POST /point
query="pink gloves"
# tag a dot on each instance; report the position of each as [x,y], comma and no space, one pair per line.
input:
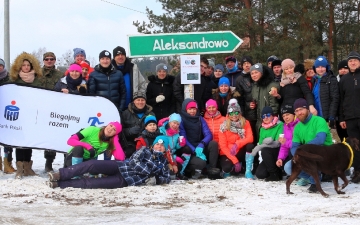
[237,167]
[233,149]
[182,143]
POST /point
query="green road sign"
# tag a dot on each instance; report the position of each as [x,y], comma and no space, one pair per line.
[147,45]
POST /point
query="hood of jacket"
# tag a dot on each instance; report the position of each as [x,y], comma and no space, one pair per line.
[16,65]
[266,78]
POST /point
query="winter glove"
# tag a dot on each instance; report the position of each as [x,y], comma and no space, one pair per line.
[182,143]
[237,167]
[332,123]
[135,130]
[162,121]
[82,89]
[233,149]
[179,160]
[199,153]
[160,98]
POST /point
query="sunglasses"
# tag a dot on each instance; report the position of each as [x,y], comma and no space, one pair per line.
[233,113]
[49,59]
[266,115]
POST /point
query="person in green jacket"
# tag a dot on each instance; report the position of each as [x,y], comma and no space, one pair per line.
[263,85]
[25,70]
[92,141]
[269,146]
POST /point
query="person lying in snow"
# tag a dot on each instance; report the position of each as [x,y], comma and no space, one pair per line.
[146,165]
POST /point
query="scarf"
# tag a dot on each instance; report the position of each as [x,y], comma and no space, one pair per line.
[273,123]
[73,83]
[235,127]
[126,68]
[27,77]
[136,110]
[106,70]
[234,69]
[223,95]
[3,74]
[151,135]
[289,79]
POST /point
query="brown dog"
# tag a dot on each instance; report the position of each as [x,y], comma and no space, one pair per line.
[332,160]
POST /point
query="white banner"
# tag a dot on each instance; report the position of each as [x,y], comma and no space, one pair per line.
[44,119]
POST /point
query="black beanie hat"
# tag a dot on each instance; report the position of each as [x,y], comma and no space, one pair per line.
[246,59]
[300,103]
[276,62]
[119,50]
[343,64]
[287,109]
[105,53]
[266,110]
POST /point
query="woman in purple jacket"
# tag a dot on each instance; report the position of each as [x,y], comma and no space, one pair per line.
[198,140]
[288,115]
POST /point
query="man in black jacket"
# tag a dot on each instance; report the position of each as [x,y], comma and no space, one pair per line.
[349,115]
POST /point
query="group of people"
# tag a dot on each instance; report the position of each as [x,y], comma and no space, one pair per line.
[249,119]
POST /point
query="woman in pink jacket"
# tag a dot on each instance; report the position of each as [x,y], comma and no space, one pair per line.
[290,122]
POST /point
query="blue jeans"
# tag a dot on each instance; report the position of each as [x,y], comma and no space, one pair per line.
[287,168]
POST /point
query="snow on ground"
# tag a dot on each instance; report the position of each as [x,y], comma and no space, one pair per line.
[230,201]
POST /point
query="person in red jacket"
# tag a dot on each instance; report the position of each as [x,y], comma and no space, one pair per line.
[235,140]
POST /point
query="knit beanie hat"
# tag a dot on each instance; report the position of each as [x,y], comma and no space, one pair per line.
[175,117]
[117,126]
[287,109]
[139,94]
[266,110]
[2,62]
[271,58]
[299,68]
[343,64]
[78,51]
[119,51]
[230,58]
[321,61]
[51,54]
[191,104]
[150,119]
[300,103]
[211,63]
[246,59]
[104,53]
[308,64]
[75,67]
[211,102]
[161,66]
[276,62]
[258,67]
[219,67]
[233,106]
[353,55]
[286,63]
[224,80]
[162,139]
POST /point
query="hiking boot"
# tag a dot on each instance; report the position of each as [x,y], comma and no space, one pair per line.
[312,189]
[356,177]
[8,168]
[54,176]
[273,177]
[326,178]
[19,169]
[214,173]
[224,175]
[52,184]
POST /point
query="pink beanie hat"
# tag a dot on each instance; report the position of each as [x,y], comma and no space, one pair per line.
[191,104]
[211,102]
[287,63]
[117,126]
[75,67]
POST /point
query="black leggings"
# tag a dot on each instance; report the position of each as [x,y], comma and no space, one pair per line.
[227,165]
[77,151]
[23,154]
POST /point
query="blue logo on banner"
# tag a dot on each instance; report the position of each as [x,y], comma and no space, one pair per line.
[95,120]
[11,112]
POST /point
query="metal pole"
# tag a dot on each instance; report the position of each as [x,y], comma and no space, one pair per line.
[7,34]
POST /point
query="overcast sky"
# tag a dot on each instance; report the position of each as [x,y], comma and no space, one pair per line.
[93,25]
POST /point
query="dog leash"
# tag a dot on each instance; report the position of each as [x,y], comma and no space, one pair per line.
[351,153]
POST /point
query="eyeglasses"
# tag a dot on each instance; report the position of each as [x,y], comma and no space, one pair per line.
[49,59]
[266,115]
[233,113]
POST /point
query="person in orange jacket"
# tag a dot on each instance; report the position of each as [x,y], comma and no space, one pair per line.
[235,140]
[213,118]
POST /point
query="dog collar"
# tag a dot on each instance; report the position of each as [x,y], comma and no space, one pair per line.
[351,153]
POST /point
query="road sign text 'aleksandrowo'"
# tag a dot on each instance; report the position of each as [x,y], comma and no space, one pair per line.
[147,45]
